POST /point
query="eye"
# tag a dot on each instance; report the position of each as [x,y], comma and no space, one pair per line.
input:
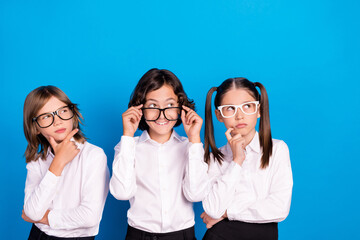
[152,105]
[247,106]
[230,108]
[44,117]
[63,111]
[170,105]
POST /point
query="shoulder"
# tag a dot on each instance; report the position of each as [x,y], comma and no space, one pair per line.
[279,145]
[92,152]
[280,152]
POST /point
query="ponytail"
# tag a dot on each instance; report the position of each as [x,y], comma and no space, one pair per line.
[264,127]
[209,131]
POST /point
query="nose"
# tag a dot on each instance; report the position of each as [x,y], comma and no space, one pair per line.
[57,120]
[239,114]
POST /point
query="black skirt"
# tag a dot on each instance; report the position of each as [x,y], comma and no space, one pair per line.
[37,234]
[137,234]
[236,230]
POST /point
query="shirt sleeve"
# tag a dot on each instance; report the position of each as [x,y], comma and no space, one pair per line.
[123,180]
[94,190]
[276,206]
[39,191]
[222,188]
[195,181]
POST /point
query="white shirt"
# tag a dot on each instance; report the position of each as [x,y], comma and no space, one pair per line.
[76,198]
[247,192]
[160,180]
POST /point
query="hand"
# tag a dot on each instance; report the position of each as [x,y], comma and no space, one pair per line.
[44,220]
[209,221]
[131,120]
[192,124]
[64,152]
[237,144]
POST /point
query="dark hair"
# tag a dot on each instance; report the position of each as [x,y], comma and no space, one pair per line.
[34,101]
[264,127]
[153,80]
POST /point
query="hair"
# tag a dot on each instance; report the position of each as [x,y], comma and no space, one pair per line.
[37,144]
[264,126]
[153,80]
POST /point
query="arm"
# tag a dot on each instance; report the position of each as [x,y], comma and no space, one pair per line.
[39,191]
[94,190]
[196,181]
[276,206]
[222,188]
[123,180]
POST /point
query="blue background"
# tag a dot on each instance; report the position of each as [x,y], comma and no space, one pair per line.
[306,53]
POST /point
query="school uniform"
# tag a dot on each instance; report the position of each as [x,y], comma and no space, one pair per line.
[255,199]
[75,199]
[161,181]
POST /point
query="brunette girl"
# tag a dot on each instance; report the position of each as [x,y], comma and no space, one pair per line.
[251,178]
[160,172]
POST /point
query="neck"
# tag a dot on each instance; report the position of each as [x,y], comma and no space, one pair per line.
[160,138]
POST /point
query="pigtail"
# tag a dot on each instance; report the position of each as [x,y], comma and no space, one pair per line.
[209,131]
[264,127]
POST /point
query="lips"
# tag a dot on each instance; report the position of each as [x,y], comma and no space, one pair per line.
[61,130]
[241,125]
[161,123]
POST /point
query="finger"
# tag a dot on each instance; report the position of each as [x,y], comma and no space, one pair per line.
[227,134]
[202,215]
[71,134]
[208,226]
[186,108]
[183,116]
[138,106]
[52,143]
[192,119]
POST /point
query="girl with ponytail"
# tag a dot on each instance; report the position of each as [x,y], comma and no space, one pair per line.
[251,177]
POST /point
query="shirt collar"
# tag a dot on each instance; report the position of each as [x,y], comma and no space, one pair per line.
[146,137]
[254,145]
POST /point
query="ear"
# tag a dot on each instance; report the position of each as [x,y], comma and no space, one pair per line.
[258,112]
[218,115]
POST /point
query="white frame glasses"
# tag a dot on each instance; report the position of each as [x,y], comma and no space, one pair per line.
[236,108]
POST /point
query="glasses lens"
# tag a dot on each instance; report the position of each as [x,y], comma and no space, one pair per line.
[151,114]
[172,114]
[65,113]
[45,120]
[228,111]
[249,108]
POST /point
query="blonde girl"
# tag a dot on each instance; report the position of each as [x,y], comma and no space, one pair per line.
[67,177]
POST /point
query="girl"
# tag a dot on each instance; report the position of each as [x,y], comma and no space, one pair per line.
[67,177]
[160,172]
[251,176]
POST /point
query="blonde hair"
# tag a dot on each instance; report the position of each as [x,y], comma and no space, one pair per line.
[37,144]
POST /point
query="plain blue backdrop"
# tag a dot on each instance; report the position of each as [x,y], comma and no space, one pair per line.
[306,53]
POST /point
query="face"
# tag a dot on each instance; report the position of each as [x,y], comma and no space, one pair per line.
[241,123]
[60,128]
[161,129]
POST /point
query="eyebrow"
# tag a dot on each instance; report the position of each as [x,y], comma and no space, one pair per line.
[240,103]
[154,100]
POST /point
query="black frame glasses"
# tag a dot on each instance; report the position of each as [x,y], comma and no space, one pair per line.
[162,110]
[71,107]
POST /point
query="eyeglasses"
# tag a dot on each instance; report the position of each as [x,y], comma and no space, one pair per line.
[47,119]
[248,108]
[170,113]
